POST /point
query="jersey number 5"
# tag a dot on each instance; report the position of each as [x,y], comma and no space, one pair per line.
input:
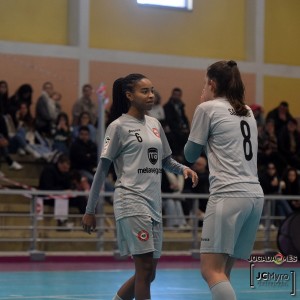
[245,128]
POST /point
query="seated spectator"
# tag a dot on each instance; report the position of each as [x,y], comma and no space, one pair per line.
[4,146]
[85,120]
[290,185]
[270,183]
[83,154]
[22,95]
[268,148]
[85,104]
[258,113]
[172,207]
[4,97]
[57,177]
[62,134]
[280,115]
[289,143]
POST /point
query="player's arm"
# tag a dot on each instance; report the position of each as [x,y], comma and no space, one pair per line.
[88,220]
[192,151]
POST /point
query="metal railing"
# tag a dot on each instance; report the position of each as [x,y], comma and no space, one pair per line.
[191,237]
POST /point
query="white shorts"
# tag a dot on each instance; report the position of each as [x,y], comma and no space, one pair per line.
[138,235]
[230,226]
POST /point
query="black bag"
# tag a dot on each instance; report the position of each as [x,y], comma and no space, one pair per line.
[288,237]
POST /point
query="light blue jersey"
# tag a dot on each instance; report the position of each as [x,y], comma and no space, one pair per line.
[230,143]
[137,148]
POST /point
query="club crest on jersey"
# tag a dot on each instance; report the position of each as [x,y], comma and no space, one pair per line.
[106,144]
[156,132]
[143,235]
[153,155]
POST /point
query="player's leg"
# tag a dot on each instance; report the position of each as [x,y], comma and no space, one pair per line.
[145,269]
[138,286]
[215,268]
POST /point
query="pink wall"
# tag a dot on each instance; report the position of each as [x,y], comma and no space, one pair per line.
[63,73]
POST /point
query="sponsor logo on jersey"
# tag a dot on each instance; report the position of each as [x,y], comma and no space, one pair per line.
[150,170]
[156,132]
[153,155]
[133,130]
[143,235]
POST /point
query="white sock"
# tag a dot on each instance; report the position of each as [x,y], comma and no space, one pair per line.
[222,291]
[116,297]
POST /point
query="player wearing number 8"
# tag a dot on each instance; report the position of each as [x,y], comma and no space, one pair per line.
[225,128]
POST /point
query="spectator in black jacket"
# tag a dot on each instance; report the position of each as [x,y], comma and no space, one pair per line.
[83,154]
[57,177]
[177,121]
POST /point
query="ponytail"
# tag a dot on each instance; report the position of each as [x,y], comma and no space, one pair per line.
[229,84]
[121,104]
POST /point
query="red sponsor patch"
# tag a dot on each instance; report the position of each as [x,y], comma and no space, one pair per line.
[143,235]
[156,132]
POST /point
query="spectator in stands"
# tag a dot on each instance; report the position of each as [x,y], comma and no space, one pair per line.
[289,143]
[85,104]
[268,148]
[271,185]
[177,121]
[83,154]
[172,207]
[201,168]
[290,185]
[46,112]
[280,115]
[4,144]
[3,97]
[22,95]
[258,113]
[85,120]
[57,177]
[62,134]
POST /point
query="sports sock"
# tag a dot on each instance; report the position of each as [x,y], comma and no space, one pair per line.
[222,291]
[116,297]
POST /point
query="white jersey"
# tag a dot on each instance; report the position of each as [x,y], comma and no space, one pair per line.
[137,149]
[230,144]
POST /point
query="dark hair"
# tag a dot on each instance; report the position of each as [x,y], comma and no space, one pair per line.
[63,158]
[229,84]
[121,104]
[87,85]
[62,115]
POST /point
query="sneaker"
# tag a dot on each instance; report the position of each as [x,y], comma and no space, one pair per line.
[261,227]
[16,166]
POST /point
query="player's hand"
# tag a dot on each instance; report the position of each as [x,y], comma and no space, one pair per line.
[88,223]
[189,173]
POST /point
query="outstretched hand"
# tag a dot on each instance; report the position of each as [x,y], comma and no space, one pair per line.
[189,173]
[88,223]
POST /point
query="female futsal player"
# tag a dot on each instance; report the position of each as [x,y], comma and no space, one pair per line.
[226,129]
[138,147]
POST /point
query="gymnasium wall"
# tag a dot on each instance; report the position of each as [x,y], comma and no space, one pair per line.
[215,29]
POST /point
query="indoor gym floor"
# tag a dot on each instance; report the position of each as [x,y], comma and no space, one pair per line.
[176,279]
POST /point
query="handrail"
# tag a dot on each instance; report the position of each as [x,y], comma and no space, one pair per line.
[195,241]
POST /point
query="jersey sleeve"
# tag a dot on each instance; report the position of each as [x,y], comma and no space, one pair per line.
[165,144]
[112,142]
[200,126]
